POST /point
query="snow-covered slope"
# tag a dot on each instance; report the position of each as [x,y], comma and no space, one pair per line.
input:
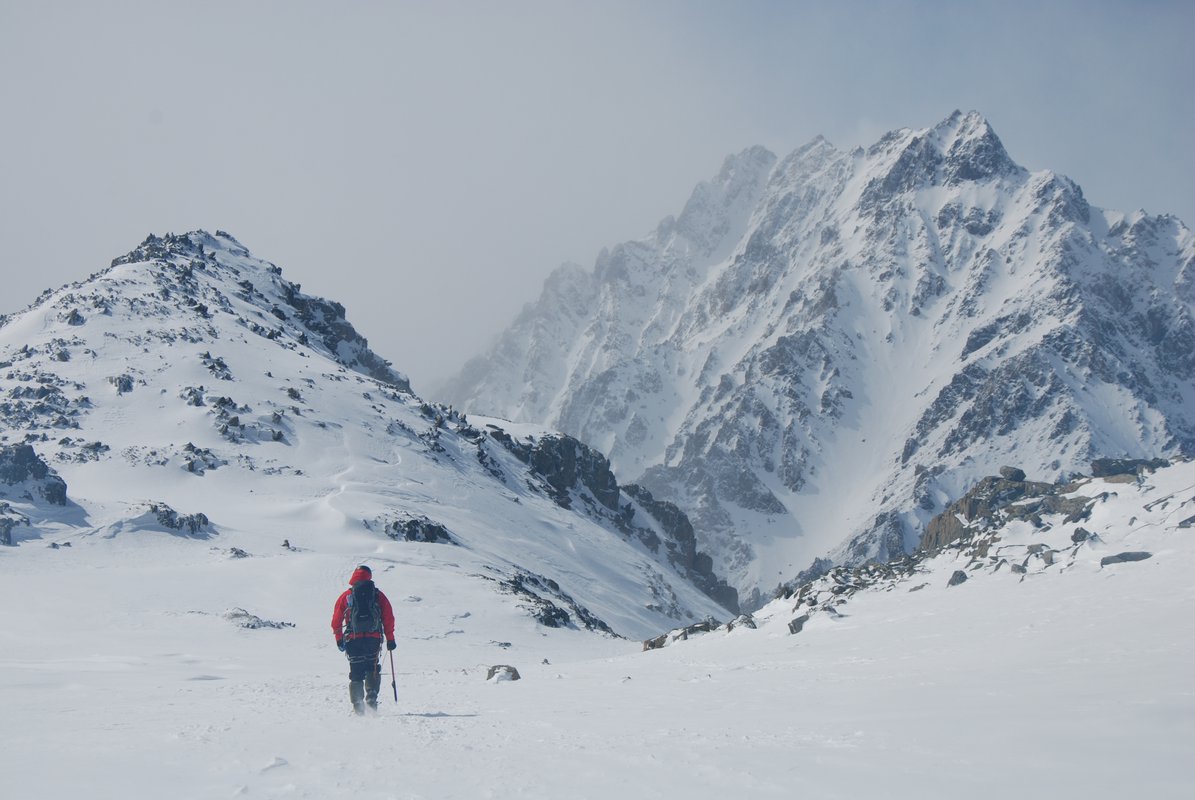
[190,389]
[126,671]
[822,351]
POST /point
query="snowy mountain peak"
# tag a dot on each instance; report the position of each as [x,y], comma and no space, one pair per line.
[189,390]
[715,209]
[961,149]
[856,340]
[194,244]
[972,150]
[205,274]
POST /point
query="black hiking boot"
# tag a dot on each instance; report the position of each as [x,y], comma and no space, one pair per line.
[357,695]
[373,683]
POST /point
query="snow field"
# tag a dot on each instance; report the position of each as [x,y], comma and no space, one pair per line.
[120,679]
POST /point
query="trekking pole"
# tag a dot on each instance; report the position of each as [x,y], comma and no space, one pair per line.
[393,680]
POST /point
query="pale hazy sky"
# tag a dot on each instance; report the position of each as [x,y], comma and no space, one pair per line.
[428,164]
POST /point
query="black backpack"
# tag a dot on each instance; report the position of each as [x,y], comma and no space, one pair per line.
[364,613]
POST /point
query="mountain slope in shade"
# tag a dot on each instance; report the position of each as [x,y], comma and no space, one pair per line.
[823,350]
[189,389]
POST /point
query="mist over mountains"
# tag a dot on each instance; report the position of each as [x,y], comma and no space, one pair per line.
[820,352]
[803,368]
[824,362]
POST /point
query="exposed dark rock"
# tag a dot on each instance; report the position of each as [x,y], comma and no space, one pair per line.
[19,464]
[1122,558]
[682,549]
[216,366]
[10,518]
[798,623]
[957,578]
[566,470]
[326,320]
[741,621]
[566,464]
[1012,474]
[243,619]
[193,524]
[419,529]
[683,634]
[123,383]
[993,500]
[199,460]
[1108,467]
[540,596]
[656,642]
[502,672]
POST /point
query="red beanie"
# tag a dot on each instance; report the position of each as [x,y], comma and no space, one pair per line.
[362,573]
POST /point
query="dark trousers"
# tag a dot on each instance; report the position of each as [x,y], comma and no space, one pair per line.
[365,671]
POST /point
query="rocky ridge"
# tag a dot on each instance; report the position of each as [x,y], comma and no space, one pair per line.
[1003,525]
[849,339]
[190,375]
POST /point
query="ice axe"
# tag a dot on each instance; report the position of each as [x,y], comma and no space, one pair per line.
[393,681]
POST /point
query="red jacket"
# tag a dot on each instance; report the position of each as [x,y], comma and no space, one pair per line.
[340,618]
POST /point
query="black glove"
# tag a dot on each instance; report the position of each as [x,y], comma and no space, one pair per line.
[340,645]
[391,644]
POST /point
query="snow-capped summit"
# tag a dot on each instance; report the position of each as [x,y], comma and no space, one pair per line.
[716,210]
[190,389]
[873,331]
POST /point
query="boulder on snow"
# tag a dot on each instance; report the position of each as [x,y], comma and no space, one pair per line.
[656,642]
[502,672]
[958,577]
[741,621]
[416,528]
[195,524]
[1121,558]
[798,624]
[162,518]
[696,629]
[1012,474]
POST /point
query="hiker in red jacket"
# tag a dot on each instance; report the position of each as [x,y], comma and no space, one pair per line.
[361,616]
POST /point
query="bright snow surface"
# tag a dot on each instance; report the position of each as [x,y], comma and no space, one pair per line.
[120,678]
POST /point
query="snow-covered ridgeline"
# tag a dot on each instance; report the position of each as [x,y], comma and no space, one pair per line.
[190,378]
[884,327]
